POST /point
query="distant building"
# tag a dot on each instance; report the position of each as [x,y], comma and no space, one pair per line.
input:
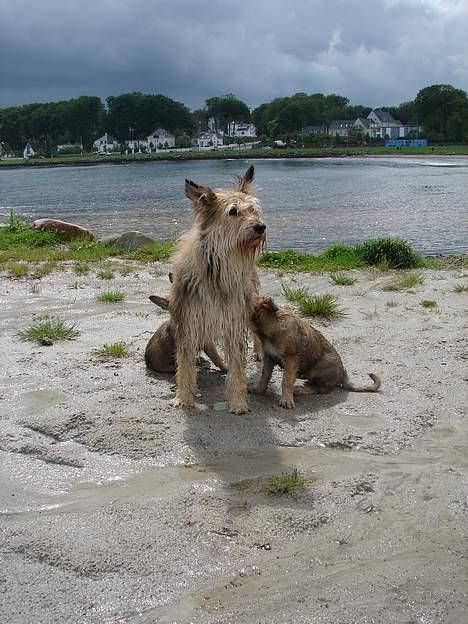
[314,130]
[105,144]
[208,140]
[240,129]
[28,151]
[160,139]
[6,151]
[341,127]
[362,125]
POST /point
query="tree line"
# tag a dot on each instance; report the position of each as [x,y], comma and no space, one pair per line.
[442,111]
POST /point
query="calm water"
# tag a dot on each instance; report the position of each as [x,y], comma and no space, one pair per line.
[307,204]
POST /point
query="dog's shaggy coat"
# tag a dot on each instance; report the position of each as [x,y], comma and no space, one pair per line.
[214,282]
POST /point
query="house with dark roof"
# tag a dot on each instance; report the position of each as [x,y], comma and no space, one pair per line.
[361,124]
[314,130]
[160,138]
[6,151]
[341,127]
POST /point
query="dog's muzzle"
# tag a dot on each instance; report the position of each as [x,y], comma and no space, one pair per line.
[259,228]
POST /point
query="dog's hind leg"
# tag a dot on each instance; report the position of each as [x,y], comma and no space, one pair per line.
[186,378]
[257,349]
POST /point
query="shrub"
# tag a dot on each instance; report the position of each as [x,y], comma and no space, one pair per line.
[398,253]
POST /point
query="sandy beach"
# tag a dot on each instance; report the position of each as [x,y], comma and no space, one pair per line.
[117,508]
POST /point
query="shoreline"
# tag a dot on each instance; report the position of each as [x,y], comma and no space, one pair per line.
[241,155]
[168,509]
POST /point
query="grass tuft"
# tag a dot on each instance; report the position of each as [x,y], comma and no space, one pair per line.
[410,280]
[285,484]
[428,303]
[17,269]
[114,350]
[43,270]
[322,306]
[342,280]
[111,297]
[396,252]
[52,328]
[105,274]
[293,294]
[81,268]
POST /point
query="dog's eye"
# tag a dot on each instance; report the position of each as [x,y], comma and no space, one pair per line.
[233,212]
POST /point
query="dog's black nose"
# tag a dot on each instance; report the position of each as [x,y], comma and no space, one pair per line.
[260,228]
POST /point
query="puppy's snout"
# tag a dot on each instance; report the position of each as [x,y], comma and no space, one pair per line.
[259,228]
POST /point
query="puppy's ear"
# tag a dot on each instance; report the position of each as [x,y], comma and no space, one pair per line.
[245,182]
[162,302]
[270,305]
[171,277]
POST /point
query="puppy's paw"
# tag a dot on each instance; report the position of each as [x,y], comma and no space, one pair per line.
[239,408]
[286,402]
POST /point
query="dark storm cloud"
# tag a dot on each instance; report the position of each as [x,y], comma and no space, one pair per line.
[375,52]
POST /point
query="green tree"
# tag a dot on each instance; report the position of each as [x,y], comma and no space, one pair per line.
[227,108]
[436,104]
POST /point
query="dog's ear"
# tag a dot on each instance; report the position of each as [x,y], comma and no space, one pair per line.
[199,194]
[270,305]
[171,277]
[162,302]
[245,182]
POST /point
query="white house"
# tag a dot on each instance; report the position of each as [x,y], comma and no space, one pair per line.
[160,139]
[28,151]
[241,129]
[106,144]
[207,140]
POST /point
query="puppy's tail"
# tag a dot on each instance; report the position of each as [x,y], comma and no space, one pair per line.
[348,385]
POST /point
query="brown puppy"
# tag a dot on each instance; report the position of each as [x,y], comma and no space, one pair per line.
[301,351]
[160,353]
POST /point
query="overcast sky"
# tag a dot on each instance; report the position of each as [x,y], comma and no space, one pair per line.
[373,52]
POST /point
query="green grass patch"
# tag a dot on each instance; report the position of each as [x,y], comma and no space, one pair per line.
[408,281]
[383,253]
[43,270]
[81,268]
[52,328]
[428,303]
[113,350]
[285,484]
[152,253]
[105,274]
[111,297]
[17,269]
[397,253]
[321,306]
[293,294]
[342,280]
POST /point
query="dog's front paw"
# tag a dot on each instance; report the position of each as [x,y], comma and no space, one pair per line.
[181,402]
[254,389]
[286,402]
[239,408]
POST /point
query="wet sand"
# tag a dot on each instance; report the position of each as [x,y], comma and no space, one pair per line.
[117,508]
